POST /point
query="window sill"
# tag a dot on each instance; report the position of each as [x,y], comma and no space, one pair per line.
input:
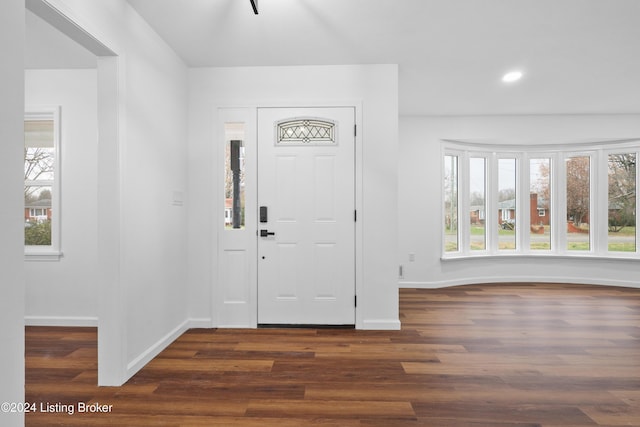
[587,256]
[43,256]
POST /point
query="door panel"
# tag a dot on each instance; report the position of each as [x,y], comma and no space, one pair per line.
[306,270]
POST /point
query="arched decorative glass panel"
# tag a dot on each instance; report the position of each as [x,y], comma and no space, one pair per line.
[306,131]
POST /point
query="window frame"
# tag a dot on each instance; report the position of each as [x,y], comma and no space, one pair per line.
[51,252]
[604,171]
[459,221]
[597,151]
[488,200]
[594,218]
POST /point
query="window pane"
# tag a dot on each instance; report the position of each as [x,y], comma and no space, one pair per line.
[234,178]
[622,202]
[39,164]
[37,216]
[578,170]
[450,203]
[477,197]
[539,204]
[39,175]
[507,204]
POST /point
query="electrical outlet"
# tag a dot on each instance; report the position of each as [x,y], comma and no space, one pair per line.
[412,257]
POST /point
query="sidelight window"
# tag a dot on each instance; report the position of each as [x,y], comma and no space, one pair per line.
[234,177]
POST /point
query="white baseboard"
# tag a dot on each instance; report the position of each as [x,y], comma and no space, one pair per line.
[145,357]
[202,323]
[523,279]
[381,324]
[238,326]
[64,321]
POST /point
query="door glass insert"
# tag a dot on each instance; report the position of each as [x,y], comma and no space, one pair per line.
[306,131]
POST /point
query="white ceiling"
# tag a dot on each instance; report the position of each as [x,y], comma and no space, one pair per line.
[578,56]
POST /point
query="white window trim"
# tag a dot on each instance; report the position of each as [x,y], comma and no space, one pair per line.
[458,154]
[598,152]
[52,252]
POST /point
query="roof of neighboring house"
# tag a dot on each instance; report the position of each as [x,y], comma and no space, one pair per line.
[507,204]
[511,204]
[41,203]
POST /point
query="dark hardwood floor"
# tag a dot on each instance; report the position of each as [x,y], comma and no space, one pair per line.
[482,355]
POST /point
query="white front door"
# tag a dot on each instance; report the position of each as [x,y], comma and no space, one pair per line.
[306,225]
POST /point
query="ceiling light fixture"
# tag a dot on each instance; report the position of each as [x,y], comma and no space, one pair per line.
[512,76]
[254,5]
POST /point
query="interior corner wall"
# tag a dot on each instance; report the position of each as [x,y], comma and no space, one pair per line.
[64,292]
[376,87]
[154,174]
[147,306]
[11,216]
[420,194]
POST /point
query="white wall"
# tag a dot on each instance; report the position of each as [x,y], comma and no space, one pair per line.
[11,215]
[142,239]
[154,168]
[376,87]
[64,292]
[420,187]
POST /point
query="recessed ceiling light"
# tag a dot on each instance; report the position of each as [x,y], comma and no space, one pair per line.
[512,76]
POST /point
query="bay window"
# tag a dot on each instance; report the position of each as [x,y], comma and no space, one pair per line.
[581,200]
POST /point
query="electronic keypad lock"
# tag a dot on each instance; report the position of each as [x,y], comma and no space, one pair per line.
[263,214]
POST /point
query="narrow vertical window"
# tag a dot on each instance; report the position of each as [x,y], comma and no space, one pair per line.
[578,178]
[451,241]
[507,204]
[539,204]
[622,202]
[41,192]
[477,203]
[234,177]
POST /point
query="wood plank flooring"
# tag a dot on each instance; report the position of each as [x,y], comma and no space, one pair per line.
[483,355]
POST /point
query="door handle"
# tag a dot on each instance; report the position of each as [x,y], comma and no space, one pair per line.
[266,233]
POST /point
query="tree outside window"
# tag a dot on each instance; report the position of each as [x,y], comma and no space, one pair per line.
[39,178]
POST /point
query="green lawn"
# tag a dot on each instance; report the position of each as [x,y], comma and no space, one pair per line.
[479,230]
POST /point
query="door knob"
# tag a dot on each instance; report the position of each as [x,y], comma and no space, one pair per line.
[266,233]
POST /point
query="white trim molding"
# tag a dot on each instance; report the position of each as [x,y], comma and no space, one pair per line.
[149,354]
[437,284]
[381,324]
[64,321]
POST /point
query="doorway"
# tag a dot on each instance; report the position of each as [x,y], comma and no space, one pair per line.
[306,219]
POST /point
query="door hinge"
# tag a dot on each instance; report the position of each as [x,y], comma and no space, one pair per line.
[355,300]
[355,130]
[355,216]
